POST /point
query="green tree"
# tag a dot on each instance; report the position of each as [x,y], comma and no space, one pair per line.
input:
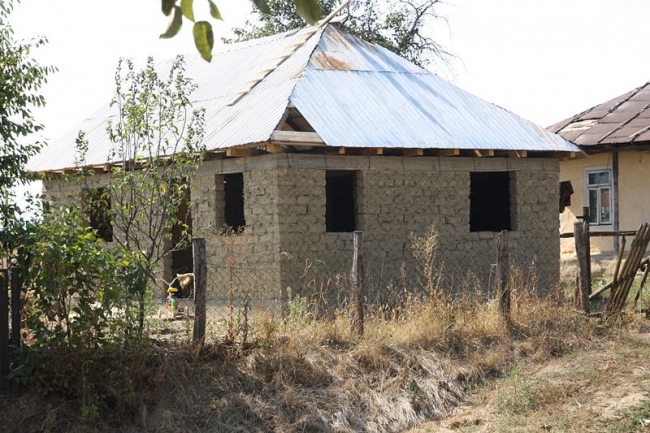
[157,138]
[20,80]
[179,10]
[398,25]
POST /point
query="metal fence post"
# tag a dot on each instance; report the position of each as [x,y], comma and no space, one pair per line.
[200,288]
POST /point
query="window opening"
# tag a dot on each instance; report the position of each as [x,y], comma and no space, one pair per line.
[490,201]
[99,213]
[340,214]
[599,196]
[234,201]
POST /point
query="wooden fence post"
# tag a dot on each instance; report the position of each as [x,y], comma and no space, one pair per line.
[581,237]
[200,288]
[4,333]
[582,290]
[356,284]
[503,270]
[15,322]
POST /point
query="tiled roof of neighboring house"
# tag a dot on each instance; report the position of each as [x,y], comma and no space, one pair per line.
[335,88]
[624,120]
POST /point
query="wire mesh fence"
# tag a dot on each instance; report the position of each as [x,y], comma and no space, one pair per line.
[238,296]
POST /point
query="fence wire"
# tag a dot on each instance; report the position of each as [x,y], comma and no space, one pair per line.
[237,296]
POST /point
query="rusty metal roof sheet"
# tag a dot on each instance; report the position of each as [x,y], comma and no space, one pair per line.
[624,120]
[352,93]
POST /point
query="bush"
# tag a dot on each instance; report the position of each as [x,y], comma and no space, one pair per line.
[78,289]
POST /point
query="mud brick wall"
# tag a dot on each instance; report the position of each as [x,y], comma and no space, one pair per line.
[70,192]
[395,197]
[285,242]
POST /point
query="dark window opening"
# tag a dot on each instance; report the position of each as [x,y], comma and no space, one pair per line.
[99,213]
[489,202]
[340,215]
[234,201]
[182,260]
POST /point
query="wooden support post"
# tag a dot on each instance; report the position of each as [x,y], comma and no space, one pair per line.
[356,284]
[200,288]
[503,270]
[4,333]
[583,287]
[585,213]
[15,322]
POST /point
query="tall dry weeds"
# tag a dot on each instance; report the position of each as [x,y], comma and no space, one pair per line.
[308,371]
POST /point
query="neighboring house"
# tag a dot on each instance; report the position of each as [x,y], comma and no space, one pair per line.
[314,133]
[612,181]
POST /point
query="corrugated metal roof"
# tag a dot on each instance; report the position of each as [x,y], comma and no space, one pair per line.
[354,94]
[411,111]
[624,120]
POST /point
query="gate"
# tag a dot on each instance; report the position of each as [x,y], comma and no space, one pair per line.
[9,327]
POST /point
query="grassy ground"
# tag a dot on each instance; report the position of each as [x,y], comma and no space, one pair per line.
[425,366]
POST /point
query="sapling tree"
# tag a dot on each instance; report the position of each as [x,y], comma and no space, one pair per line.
[156,138]
[21,78]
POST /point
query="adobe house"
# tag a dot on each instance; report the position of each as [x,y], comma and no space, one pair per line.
[315,133]
[611,182]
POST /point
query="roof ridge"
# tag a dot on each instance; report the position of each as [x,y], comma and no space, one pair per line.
[291,50]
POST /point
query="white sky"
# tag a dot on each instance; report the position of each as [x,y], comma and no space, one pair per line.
[544,60]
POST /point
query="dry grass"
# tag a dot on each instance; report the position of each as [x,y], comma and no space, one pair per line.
[300,374]
[416,362]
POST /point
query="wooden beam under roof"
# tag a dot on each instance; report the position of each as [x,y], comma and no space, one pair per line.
[483,152]
[238,151]
[210,156]
[275,148]
[446,152]
[516,153]
[371,151]
[412,152]
[296,137]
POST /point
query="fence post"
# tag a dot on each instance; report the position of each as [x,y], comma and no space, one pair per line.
[15,321]
[4,333]
[200,288]
[356,284]
[503,270]
[581,231]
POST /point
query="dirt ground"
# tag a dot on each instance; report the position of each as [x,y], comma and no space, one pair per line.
[605,389]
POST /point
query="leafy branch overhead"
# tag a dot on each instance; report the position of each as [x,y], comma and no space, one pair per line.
[178,10]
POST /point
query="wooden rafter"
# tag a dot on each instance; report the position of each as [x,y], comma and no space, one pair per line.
[237,151]
[446,152]
[412,152]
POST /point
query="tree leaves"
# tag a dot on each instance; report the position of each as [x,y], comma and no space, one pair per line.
[187,6]
[203,39]
[309,10]
[175,24]
[168,6]
[262,6]
[214,11]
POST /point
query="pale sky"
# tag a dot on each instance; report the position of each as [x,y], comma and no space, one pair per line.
[544,60]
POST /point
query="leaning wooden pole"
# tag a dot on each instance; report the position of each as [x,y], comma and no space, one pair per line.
[503,269]
[200,288]
[356,284]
